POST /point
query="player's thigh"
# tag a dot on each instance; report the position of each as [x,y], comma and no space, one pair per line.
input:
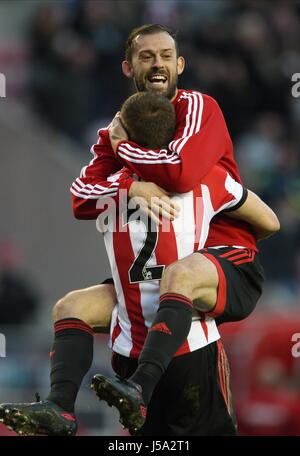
[197,389]
[206,281]
[93,305]
[240,282]
[194,276]
[156,423]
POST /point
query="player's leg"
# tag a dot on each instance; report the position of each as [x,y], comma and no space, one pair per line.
[169,330]
[192,278]
[137,423]
[75,316]
[241,279]
[224,288]
[193,396]
[223,283]
[91,305]
[197,393]
[195,277]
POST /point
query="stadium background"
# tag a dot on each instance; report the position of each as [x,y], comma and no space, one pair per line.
[62,60]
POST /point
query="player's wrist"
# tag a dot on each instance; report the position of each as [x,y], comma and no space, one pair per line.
[133,189]
[126,184]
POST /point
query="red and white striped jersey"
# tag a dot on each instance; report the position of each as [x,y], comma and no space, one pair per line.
[138,256]
[201,141]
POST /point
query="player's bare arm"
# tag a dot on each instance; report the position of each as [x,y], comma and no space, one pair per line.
[259,215]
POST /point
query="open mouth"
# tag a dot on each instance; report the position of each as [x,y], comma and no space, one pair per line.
[157,80]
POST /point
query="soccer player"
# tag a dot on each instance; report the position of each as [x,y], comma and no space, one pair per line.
[177,335]
[136,277]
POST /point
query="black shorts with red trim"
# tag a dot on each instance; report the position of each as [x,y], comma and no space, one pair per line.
[241,278]
[193,396]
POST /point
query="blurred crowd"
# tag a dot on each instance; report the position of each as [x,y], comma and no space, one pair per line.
[264,355]
[242,52]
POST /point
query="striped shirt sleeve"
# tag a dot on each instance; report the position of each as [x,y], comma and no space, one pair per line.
[226,194]
[101,178]
[200,140]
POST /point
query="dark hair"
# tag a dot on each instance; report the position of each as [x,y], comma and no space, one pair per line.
[146,29]
[149,119]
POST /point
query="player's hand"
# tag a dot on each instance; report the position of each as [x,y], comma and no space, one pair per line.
[117,132]
[154,201]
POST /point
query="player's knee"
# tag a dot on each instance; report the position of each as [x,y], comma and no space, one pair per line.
[65,307]
[176,278]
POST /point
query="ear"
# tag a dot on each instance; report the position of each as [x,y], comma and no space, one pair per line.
[180,64]
[127,69]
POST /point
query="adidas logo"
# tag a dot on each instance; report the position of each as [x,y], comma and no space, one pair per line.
[68,416]
[162,327]
[143,411]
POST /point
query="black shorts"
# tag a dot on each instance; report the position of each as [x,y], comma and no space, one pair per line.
[193,396]
[240,282]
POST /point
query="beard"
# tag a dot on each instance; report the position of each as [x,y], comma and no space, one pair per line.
[169,91]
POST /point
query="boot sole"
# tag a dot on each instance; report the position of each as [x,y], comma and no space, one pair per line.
[130,416]
[18,421]
[23,424]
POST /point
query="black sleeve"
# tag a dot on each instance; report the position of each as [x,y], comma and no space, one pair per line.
[240,203]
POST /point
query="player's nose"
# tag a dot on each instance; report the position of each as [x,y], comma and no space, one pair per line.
[157,62]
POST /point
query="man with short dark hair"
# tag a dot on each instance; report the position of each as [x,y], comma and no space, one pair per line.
[141,115]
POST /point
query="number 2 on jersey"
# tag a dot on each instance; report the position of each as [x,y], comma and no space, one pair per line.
[139,271]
